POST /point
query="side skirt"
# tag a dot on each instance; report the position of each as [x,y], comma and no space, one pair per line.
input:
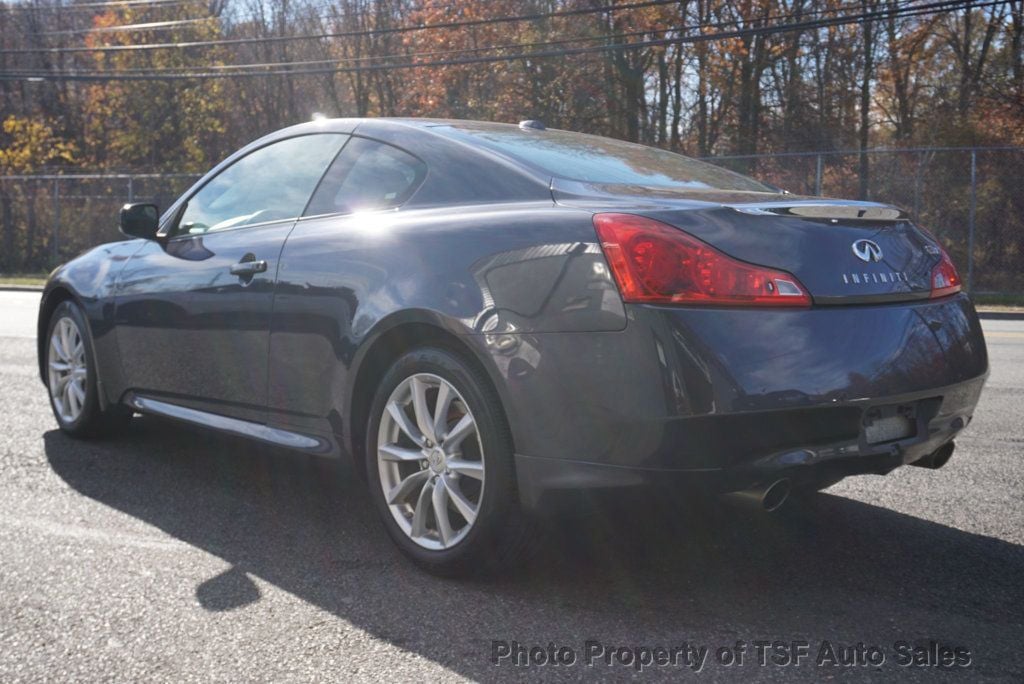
[235,426]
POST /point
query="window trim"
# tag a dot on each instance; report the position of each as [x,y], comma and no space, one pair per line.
[416,189]
[167,232]
[191,236]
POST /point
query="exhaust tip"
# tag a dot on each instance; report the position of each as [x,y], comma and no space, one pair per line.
[768,498]
[942,456]
[776,495]
[936,459]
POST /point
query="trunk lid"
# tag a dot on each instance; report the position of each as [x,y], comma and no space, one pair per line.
[843,252]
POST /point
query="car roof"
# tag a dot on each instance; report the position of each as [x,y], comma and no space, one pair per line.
[350,124]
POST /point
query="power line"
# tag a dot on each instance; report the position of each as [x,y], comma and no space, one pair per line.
[97,5]
[930,8]
[146,26]
[488,48]
[347,60]
[166,25]
[71,13]
[703,37]
[349,34]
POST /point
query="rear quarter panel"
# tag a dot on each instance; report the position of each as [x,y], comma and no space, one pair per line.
[490,273]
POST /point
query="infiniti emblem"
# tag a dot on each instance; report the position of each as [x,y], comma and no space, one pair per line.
[867,250]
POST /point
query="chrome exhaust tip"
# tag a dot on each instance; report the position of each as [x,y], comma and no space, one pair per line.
[768,498]
[936,459]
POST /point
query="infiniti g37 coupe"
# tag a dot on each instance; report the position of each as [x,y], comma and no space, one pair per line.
[486,316]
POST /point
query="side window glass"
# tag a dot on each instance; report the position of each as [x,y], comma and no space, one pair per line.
[269,184]
[367,175]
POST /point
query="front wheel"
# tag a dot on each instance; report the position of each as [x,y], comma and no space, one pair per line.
[71,377]
[440,466]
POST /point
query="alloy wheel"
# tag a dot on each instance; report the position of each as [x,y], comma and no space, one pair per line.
[431,461]
[67,369]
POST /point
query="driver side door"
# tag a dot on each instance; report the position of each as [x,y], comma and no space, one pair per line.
[193,310]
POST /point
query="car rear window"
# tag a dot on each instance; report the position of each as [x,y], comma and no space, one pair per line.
[595,159]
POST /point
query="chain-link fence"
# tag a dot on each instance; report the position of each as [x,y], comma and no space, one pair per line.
[969,197]
[47,219]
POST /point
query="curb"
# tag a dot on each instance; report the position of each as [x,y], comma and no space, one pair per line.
[1001,315]
[21,288]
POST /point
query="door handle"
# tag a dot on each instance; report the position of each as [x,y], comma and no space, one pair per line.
[248,268]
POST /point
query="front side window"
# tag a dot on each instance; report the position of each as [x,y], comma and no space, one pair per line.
[367,176]
[272,183]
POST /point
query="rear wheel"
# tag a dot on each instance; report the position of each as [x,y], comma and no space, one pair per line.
[72,379]
[440,466]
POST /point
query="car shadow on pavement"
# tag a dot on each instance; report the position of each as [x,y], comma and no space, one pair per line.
[629,573]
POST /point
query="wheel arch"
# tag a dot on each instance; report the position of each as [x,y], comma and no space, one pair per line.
[52,298]
[391,339]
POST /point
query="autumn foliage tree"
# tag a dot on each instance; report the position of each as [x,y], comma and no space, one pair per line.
[158,125]
[708,78]
[27,146]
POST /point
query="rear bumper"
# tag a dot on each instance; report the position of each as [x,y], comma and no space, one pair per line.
[940,415]
[726,398]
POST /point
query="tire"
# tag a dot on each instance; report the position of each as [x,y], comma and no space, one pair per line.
[499,534]
[76,402]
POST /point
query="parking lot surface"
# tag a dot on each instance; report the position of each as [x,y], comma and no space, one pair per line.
[168,554]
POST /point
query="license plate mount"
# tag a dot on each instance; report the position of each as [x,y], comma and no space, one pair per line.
[883,424]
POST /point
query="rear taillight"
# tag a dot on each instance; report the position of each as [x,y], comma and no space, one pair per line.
[945,279]
[654,262]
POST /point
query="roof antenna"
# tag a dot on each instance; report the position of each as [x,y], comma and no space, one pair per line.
[532,125]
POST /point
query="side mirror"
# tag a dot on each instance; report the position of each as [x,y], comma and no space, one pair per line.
[140,220]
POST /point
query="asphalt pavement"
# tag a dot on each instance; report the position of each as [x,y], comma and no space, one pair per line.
[168,554]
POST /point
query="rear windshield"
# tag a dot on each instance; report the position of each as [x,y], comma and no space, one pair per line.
[594,159]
